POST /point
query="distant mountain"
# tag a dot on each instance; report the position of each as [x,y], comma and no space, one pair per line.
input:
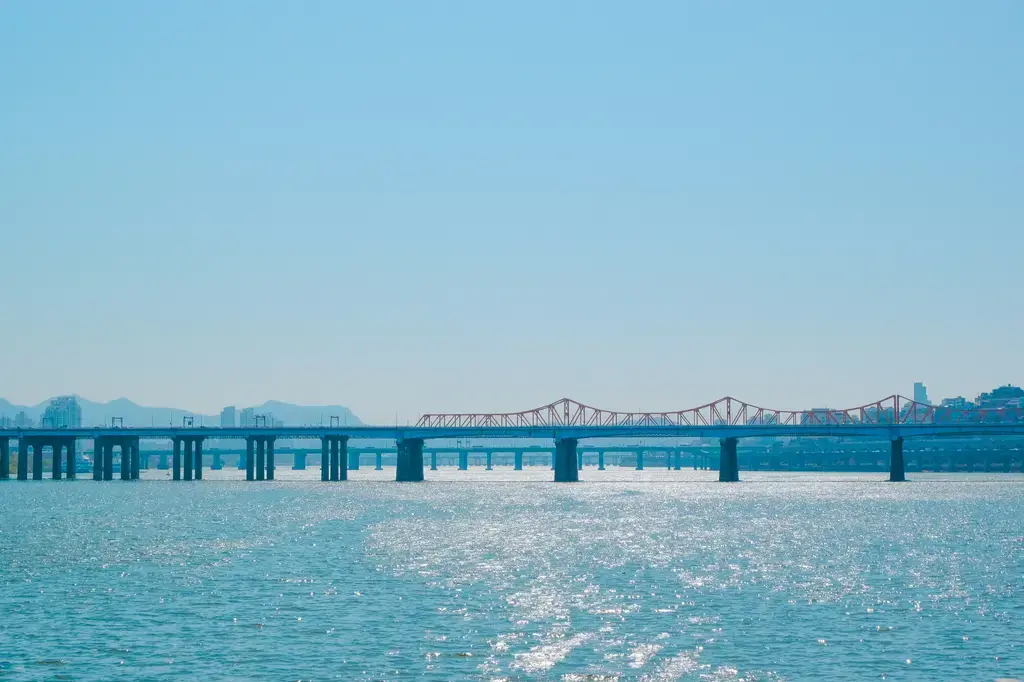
[132,414]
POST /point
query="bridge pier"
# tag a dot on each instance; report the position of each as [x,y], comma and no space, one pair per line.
[353,461]
[176,460]
[197,458]
[517,460]
[600,460]
[250,458]
[433,460]
[334,458]
[22,459]
[489,455]
[463,460]
[677,456]
[579,460]
[37,461]
[299,461]
[217,463]
[897,469]
[566,463]
[261,460]
[639,460]
[161,463]
[409,467]
[729,467]
[5,458]
[380,462]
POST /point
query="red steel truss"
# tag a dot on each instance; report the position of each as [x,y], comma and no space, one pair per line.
[727,411]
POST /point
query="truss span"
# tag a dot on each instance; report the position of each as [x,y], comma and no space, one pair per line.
[728,411]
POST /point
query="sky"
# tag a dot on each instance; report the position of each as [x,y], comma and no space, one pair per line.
[481,206]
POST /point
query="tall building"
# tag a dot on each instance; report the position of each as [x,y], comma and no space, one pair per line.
[921,393]
[247,418]
[23,421]
[63,413]
[227,416]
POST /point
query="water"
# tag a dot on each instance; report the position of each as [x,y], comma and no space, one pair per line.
[505,576]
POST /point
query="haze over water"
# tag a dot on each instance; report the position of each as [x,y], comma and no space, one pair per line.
[503,576]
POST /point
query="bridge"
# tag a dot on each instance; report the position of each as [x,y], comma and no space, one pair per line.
[565,422]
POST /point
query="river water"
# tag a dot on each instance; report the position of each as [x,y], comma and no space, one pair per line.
[504,575]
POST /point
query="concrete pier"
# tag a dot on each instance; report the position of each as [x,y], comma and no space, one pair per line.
[639,460]
[334,466]
[729,467]
[126,462]
[897,468]
[22,460]
[250,459]
[5,458]
[218,463]
[72,459]
[380,462]
[261,460]
[271,464]
[566,462]
[463,460]
[489,460]
[410,460]
[176,460]
[299,461]
[579,460]
[353,461]
[600,460]
[433,461]
[197,458]
[517,462]
[37,461]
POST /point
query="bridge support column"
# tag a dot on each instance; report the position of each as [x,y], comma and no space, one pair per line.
[489,461]
[334,457]
[463,460]
[299,461]
[134,458]
[517,461]
[271,464]
[639,460]
[353,461]
[433,460]
[600,460]
[56,470]
[197,458]
[325,458]
[218,463]
[409,467]
[241,461]
[897,470]
[579,460]
[342,458]
[108,461]
[677,460]
[5,458]
[380,462]
[186,459]
[37,461]
[261,460]
[22,459]
[126,460]
[72,459]
[566,462]
[250,458]
[729,467]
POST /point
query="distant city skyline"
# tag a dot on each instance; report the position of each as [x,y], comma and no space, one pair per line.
[497,205]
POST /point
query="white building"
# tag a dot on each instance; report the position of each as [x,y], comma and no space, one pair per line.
[227,416]
[63,413]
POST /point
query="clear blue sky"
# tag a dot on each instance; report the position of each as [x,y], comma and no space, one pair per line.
[408,207]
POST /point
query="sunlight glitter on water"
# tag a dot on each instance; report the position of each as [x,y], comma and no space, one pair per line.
[475,576]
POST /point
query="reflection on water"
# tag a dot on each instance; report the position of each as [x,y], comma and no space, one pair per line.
[502,575]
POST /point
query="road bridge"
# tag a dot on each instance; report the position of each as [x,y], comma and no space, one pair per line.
[565,422]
